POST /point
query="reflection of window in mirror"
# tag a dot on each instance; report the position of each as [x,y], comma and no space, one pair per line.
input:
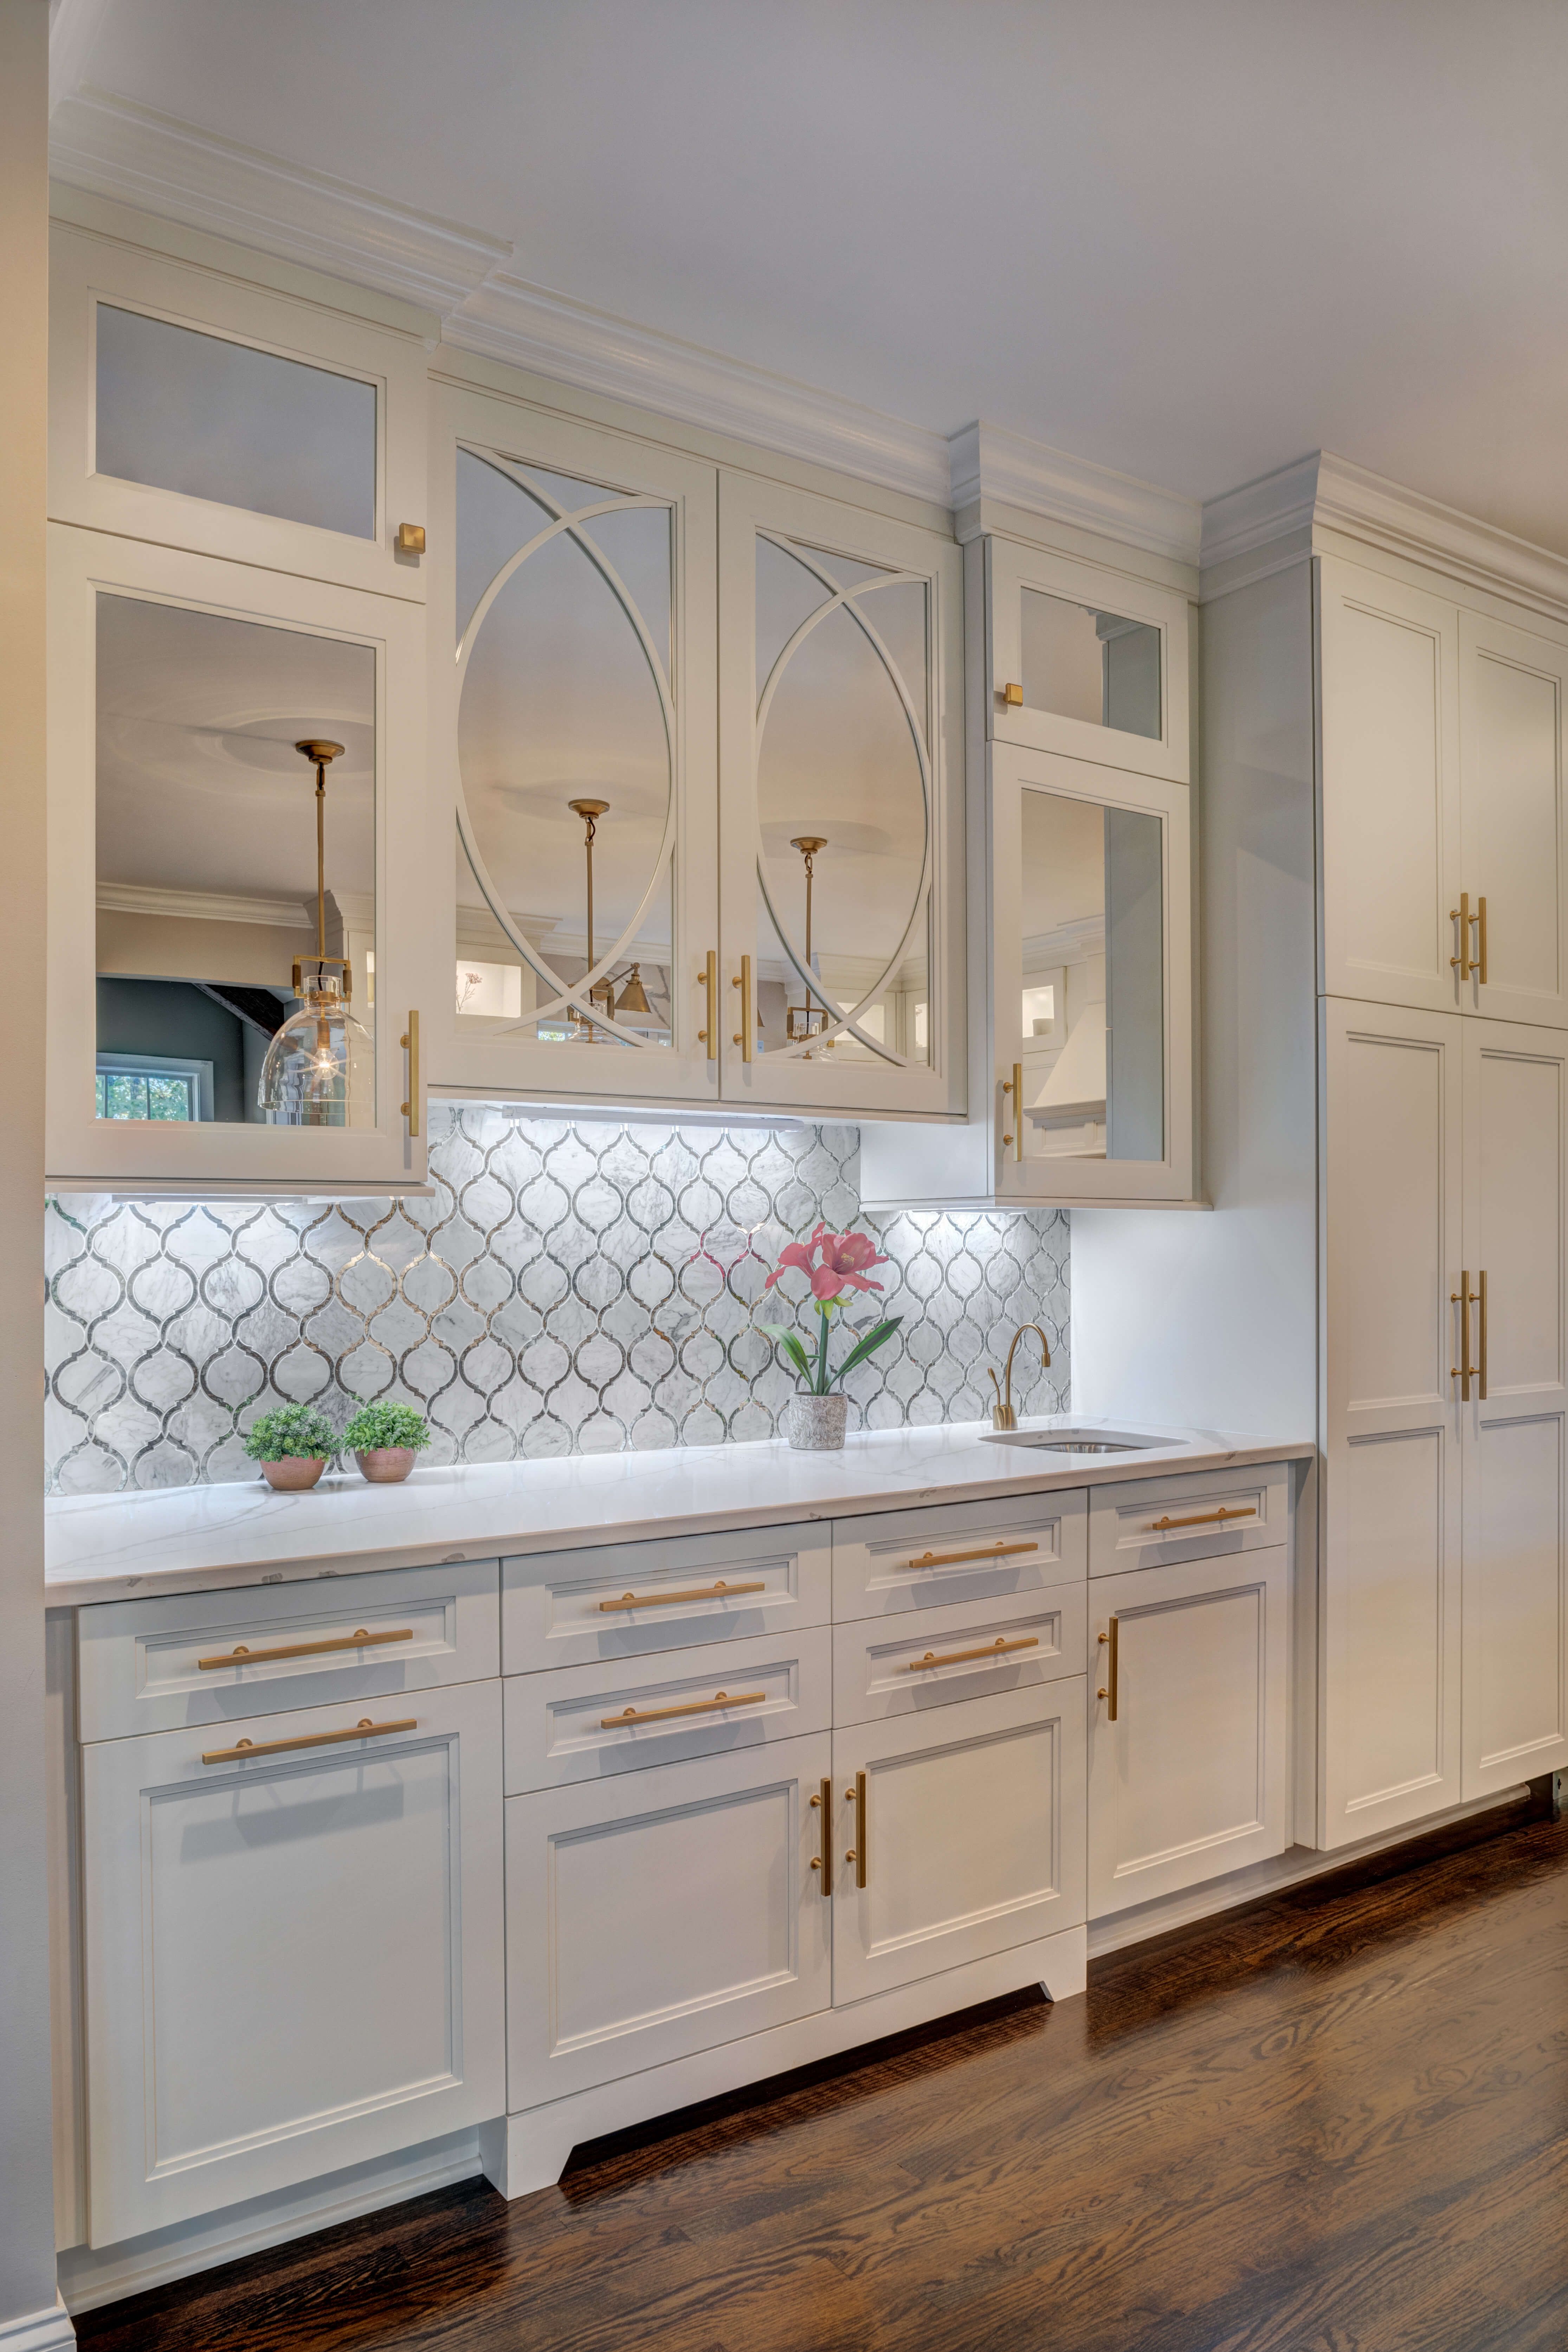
[1091,1009]
[1099,668]
[206,865]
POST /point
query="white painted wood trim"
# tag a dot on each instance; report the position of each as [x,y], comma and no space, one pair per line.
[988,462]
[39,2331]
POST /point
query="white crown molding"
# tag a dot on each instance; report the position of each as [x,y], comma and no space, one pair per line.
[201,905]
[39,2331]
[1323,492]
[117,149]
[529,326]
[74,26]
[988,462]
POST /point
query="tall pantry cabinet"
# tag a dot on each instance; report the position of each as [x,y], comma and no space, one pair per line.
[1386,1126]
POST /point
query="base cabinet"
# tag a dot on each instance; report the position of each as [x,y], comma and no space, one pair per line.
[292,1958]
[1187,1751]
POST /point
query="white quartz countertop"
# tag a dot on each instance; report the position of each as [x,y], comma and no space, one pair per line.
[179,1540]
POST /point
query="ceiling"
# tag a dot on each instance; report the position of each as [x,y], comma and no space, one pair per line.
[1188,242]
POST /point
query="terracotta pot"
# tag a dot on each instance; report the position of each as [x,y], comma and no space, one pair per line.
[294,1473]
[384,1466]
[815,1425]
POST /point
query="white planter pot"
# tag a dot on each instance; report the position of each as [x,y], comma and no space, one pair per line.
[815,1425]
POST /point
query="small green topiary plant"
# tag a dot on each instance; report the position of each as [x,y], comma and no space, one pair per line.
[376,1427]
[289,1430]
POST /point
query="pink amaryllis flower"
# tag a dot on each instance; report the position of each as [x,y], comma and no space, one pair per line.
[832,1264]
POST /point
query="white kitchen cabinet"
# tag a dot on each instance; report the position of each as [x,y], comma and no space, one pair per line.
[1513,864]
[663,1912]
[1514,1458]
[960,1833]
[1188,1763]
[293,1955]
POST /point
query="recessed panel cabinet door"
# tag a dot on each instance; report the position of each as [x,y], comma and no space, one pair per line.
[292,1958]
[669,1910]
[959,1833]
[1389,788]
[1187,1778]
[1514,868]
[1515,1419]
[1390,1597]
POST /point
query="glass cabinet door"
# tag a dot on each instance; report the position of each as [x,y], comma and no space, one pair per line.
[1086,661]
[840,799]
[573,703]
[234,856]
[1092,1006]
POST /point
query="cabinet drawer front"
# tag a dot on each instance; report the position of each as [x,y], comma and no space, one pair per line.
[292,1959]
[569,1725]
[958,1551]
[1200,1514]
[141,1663]
[623,1600]
[972,1835]
[672,1910]
[973,1651]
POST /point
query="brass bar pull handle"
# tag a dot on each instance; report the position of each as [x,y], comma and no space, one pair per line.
[363,1729]
[410,1038]
[1464,1371]
[744,1036]
[823,1803]
[719,1591]
[694,1706]
[858,1853]
[1108,1688]
[1208,1518]
[1479,963]
[1015,1087]
[240,1655]
[1461,915]
[1480,1298]
[708,978]
[988,1551]
[958,1657]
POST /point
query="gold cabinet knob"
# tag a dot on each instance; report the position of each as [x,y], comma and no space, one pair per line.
[1011,695]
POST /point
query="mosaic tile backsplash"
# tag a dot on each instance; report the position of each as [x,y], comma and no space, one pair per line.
[571,1288]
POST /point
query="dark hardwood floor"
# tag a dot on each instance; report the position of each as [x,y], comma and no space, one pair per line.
[1335,2122]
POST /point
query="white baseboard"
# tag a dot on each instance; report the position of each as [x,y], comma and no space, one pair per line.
[39,2331]
[1292,1868]
[528,2151]
[90,2275]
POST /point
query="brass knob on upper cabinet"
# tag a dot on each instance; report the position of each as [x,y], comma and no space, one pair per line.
[411,539]
[1011,695]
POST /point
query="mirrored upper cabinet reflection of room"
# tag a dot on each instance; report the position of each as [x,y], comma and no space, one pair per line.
[213,935]
[567,729]
[1099,668]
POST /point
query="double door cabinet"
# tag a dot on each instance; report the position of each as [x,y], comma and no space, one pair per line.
[752,1798]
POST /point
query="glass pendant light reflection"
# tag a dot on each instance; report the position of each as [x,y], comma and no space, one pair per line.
[321,1065]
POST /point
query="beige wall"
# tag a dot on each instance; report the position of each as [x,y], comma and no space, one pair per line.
[27,2205]
[177,947]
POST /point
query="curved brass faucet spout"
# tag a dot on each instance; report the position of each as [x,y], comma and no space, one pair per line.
[1001,1413]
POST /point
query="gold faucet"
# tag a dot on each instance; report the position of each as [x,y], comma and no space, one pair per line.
[1001,1413]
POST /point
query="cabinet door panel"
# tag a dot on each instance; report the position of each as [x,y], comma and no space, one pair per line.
[1389,788]
[1391,1589]
[1515,852]
[973,1835]
[1516,1435]
[673,1910]
[1189,1781]
[293,1960]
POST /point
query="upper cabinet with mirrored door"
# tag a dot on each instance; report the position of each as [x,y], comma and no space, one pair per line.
[841,984]
[572,692]
[1087,661]
[192,410]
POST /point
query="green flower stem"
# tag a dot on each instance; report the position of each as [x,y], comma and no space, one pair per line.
[824,1310]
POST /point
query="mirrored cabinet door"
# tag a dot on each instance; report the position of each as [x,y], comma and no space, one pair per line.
[236,865]
[1086,661]
[1092,1013]
[572,704]
[841,771]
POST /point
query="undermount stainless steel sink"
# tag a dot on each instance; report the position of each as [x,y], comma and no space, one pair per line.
[1081,1441]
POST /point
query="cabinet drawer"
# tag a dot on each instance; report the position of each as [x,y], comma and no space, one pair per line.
[1207,1513]
[623,1600]
[199,1657]
[558,1725]
[973,1651]
[957,1551]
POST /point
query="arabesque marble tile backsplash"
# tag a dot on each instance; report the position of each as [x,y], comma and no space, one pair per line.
[571,1288]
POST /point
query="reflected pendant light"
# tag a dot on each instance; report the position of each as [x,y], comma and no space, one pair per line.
[802,1021]
[319,1067]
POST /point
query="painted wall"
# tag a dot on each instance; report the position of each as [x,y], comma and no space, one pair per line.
[571,1288]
